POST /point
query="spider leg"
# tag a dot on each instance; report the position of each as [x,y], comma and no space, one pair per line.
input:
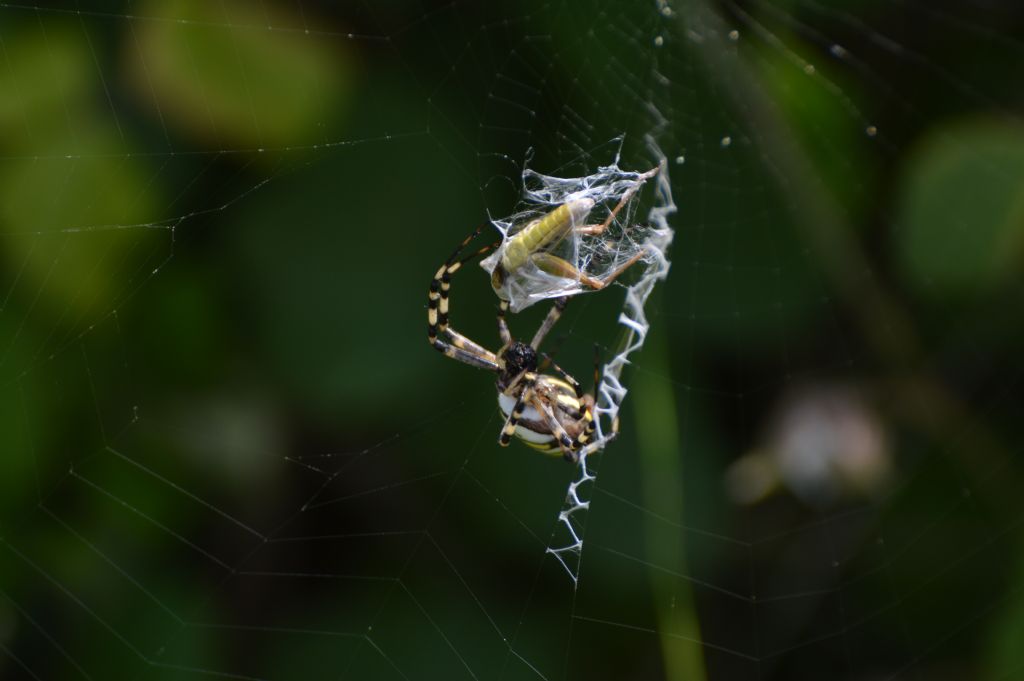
[566,377]
[509,428]
[566,443]
[546,358]
[480,361]
[592,425]
[458,346]
[503,332]
[584,413]
[553,315]
[439,290]
[587,411]
[584,438]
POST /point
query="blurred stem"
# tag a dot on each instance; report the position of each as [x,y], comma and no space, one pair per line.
[886,327]
[661,475]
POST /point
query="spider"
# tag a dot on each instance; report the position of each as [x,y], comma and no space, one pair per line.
[549,413]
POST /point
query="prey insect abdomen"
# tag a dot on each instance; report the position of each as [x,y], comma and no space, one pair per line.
[547,230]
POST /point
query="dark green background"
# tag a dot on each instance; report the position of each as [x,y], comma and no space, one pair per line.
[226,450]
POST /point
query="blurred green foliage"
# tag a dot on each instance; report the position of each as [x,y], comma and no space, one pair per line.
[228,90]
[960,231]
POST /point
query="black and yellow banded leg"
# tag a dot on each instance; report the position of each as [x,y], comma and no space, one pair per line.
[440,286]
[587,413]
[565,443]
[566,377]
[553,315]
[481,361]
[588,432]
[457,346]
[570,449]
[512,421]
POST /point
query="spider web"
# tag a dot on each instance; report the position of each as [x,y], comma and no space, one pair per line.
[217,225]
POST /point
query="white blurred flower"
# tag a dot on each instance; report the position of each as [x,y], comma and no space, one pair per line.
[825,444]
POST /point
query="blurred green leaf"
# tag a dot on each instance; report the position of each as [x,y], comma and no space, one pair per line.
[18,431]
[1006,655]
[46,77]
[224,76]
[833,141]
[73,229]
[659,446]
[960,219]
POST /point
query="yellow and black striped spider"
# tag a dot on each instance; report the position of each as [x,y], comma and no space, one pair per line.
[551,414]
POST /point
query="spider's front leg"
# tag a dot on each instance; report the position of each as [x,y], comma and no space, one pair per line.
[553,316]
[457,346]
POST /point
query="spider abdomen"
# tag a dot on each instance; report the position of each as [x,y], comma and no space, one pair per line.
[533,427]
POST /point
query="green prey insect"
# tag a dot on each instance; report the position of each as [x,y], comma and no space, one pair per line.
[535,241]
[549,413]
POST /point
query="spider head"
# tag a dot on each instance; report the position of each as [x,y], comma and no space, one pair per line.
[516,358]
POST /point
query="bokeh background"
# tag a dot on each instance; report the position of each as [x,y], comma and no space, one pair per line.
[226,451]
